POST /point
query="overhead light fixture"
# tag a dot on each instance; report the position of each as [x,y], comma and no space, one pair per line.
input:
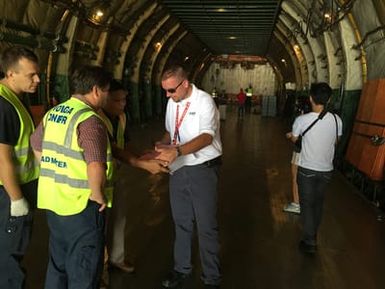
[221,10]
[99,13]
[186,58]
[158,46]
[328,16]
[97,16]
[232,37]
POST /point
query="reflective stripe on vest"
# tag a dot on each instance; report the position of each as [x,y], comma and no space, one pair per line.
[26,166]
[69,152]
[63,183]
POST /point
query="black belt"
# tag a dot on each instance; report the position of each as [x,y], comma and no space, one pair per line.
[213,162]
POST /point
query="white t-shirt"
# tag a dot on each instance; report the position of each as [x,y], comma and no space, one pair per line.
[319,142]
[202,117]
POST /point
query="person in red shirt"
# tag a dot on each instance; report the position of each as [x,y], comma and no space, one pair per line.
[241,98]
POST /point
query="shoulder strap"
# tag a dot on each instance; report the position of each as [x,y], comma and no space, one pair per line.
[335,119]
[321,115]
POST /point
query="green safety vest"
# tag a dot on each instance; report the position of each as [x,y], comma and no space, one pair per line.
[63,183]
[27,168]
[120,143]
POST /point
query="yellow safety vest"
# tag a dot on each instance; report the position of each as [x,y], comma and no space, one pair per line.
[27,168]
[63,183]
[120,143]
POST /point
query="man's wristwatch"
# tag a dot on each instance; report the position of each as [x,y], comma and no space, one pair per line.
[178,151]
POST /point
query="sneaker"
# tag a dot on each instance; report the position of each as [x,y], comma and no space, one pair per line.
[307,248]
[292,208]
[174,279]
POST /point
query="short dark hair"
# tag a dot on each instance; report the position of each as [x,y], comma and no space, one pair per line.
[11,56]
[86,77]
[320,93]
[116,85]
[175,70]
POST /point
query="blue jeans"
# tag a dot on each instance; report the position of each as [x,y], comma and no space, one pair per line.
[311,187]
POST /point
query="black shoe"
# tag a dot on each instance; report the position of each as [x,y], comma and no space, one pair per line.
[307,248]
[174,279]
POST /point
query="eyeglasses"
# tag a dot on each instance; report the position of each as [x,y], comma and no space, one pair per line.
[173,90]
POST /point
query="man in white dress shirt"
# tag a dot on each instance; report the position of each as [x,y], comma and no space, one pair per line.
[193,148]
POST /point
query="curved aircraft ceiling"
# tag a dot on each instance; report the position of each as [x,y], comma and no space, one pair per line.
[338,41]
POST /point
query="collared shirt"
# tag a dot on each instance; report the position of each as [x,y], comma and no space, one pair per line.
[201,117]
[91,138]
